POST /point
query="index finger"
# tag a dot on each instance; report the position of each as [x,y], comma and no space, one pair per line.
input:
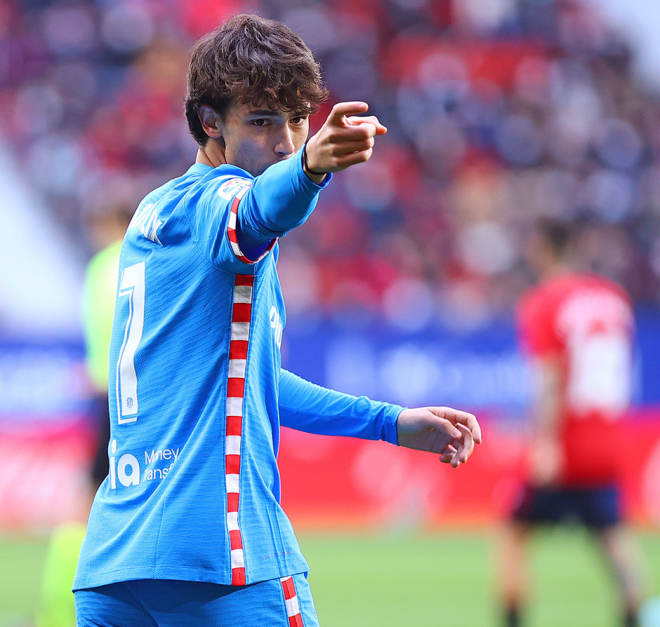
[368,119]
[342,109]
[470,420]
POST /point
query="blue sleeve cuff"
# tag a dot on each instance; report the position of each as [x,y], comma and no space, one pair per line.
[390,420]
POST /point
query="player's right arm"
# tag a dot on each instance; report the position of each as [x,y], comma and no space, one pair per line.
[284,196]
[237,218]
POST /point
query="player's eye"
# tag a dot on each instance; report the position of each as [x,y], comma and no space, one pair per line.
[260,122]
[298,120]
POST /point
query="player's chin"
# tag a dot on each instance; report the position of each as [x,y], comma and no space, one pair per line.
[258,170]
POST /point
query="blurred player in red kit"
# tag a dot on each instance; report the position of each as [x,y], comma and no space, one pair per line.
[577,329]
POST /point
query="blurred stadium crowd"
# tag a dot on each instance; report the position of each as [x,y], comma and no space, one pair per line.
[498,111]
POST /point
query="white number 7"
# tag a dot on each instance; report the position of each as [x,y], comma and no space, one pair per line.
[132,286]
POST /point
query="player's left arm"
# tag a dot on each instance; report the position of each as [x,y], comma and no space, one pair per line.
[305,406]
[312,408]
[450,433]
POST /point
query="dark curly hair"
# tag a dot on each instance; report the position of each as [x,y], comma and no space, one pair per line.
[250,59]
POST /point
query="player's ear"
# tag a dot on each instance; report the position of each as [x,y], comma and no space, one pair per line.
[211,122]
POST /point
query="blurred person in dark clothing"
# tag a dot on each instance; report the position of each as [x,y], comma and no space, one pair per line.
[577,328]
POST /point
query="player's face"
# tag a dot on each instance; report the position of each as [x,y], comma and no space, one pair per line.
[257,137]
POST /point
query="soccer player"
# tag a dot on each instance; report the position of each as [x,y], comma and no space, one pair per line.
[578,331]
[188,528]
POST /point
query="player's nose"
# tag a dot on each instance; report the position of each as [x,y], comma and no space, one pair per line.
[285,146]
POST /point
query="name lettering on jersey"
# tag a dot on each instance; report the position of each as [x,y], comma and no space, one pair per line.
[276,325]
[147,221]
[127,469]
[232,187]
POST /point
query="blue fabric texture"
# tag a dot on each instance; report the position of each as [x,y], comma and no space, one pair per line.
[162,513]
[161,603]
[309,407]
[269,212]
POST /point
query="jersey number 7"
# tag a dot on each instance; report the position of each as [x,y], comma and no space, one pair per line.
[132,287]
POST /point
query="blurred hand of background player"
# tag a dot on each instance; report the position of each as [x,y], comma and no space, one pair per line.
[448,432]
[344,139]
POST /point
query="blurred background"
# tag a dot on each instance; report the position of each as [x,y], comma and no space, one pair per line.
[402,285]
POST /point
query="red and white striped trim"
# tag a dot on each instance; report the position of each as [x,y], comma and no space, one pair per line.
[233,236]
[291,600]
[238,348]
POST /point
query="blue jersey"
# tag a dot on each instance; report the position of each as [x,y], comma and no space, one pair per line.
[197,393]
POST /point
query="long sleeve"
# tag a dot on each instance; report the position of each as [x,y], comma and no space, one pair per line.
[237,218]
[309,407]
[280,199]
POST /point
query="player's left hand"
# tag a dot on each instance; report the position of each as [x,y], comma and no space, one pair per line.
[450,433]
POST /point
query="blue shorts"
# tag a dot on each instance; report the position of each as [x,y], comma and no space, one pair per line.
[283,602]
[596,508]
